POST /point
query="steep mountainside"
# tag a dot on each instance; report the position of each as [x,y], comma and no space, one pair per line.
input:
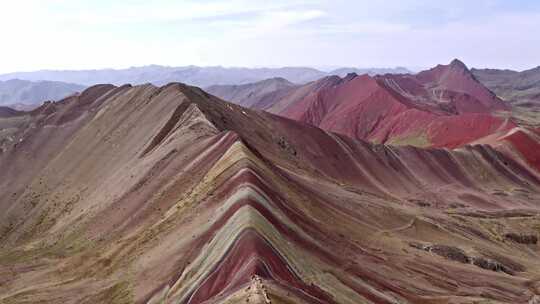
[342,72]
[442,107]
[169,195]
[453,87]
[17,91]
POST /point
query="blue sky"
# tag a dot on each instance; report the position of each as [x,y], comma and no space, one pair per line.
[76,34]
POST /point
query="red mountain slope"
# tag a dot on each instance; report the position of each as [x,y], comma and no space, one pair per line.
[442,107]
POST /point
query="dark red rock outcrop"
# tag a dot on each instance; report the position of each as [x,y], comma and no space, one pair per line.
[522,238]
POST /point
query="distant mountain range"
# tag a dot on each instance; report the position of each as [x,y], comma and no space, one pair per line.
[342,72]
[21,93]
[250,87]
[511,85]
[193,75]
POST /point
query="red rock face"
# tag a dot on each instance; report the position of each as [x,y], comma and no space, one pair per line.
[442,107]
[527,143]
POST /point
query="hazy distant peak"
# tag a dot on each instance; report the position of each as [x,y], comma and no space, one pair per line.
[279,80]
[350,76]
[456,63]
[24,92]
[342,72]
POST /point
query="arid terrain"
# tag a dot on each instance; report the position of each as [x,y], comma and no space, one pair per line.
[367,189]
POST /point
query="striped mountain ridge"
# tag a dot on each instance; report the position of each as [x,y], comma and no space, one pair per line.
[169,195]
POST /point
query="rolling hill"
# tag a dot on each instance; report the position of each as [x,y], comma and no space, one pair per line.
[22,92]
[248,95]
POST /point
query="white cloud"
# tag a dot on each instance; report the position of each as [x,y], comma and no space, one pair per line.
[95,34]
[271,23]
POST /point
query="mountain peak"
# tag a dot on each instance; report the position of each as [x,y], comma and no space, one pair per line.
[278,80]
[456,63]
[350,76]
